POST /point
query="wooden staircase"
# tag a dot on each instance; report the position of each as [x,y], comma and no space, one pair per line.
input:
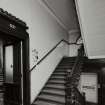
[53,92]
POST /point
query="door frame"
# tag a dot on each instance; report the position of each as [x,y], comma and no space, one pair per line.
[14,27]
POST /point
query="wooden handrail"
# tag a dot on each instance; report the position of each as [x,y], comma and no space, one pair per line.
[49,52]
[46,55]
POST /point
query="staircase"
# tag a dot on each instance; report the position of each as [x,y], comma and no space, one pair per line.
[1,88]
[53,92]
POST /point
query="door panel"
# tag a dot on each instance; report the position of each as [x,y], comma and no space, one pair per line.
[11,96]
[9,64]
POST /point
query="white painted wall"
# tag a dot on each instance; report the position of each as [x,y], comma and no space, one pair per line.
[73,49]
[92,20]
[44,32]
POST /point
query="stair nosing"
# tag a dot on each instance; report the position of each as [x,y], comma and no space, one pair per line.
[55,101]
[56,88]
[53,94]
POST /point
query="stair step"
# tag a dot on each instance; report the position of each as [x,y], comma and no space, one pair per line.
[1,77]
[57,77]
[1,83]
[64,67]
[42,102]
[66,64]
[59,74]
[69,58]
[61,71]
[54,92]
[62,64]
[50,98]
[55,86]
[57,81]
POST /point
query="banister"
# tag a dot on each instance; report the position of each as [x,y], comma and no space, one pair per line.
[51,52]
[72,81]
[80,53]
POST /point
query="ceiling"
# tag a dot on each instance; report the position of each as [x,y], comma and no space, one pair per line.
[65,11]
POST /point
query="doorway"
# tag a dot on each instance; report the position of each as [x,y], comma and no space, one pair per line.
[11,70]
[14,60]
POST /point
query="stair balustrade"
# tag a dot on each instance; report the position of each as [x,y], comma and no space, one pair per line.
[73,96]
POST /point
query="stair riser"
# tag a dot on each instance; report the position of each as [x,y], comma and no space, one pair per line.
[57,102]
[55,88]
[53,94]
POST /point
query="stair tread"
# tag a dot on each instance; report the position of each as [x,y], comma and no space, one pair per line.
[59,74]
[61,71]
[66,62]
[41,102]
[52,98]
[54,91]
[57,77]
[62,64]
[57,81]
[64,67]
[55,86]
